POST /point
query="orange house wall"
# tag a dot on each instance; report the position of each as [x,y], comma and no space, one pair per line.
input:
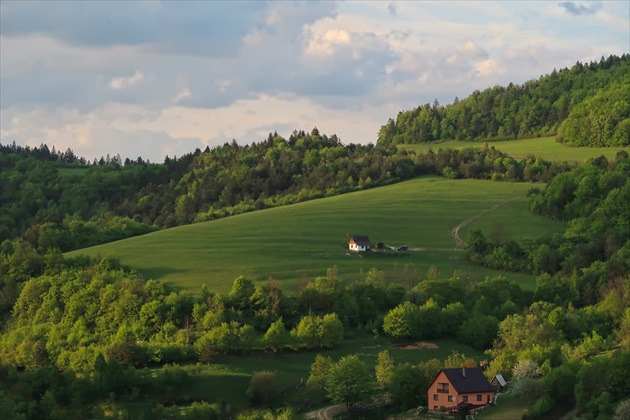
[459,398]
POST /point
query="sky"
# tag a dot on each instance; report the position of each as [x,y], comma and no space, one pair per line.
[157,78]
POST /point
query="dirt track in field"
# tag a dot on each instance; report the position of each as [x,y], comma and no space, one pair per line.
[455,232]
[326,413]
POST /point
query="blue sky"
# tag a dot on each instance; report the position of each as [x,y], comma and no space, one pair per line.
[151,78]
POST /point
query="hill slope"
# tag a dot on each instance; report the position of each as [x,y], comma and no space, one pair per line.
[536,108]
[295,242]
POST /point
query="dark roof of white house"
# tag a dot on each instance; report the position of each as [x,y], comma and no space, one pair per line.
[361,240]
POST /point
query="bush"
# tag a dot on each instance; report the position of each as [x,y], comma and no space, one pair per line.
[263,389]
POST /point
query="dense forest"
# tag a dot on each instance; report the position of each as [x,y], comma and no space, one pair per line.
[586,105]
[89,338]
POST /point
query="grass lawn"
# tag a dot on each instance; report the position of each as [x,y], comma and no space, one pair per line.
[508,407]
[545,147]
[506,223]
[299,242]
[227,378]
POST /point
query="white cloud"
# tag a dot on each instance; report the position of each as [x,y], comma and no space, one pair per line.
[119,83]
[328,42]
[149,78]
[184,93]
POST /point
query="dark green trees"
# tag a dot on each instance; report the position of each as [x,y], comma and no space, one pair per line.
[585,105]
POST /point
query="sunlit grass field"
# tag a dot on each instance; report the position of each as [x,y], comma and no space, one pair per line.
[545,147]
[227,377]
[299,242]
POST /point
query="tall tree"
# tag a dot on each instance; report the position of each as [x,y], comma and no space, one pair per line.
[348,381]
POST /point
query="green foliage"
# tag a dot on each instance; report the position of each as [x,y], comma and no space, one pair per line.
[315,331]
[124,348]
[348,381]
[603,377]
[602,120]
[560,383]
[537,108]
[319,370]
[402,321]
[407,386]
[458,360]
[384,368]
[263,389]
[409,383]
[277,337]
[479,331]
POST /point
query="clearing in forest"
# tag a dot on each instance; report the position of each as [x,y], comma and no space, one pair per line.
[545,147]
[298,242]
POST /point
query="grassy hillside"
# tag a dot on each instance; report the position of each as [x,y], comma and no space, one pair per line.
[545,147]
[298,242]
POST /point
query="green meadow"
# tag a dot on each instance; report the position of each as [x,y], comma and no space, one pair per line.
[296,243]
[227,377]
[545,147]
[508,407]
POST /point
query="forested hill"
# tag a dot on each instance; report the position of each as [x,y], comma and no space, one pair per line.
[586,105]
[59,200]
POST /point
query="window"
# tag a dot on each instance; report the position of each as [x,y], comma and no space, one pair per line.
[451,398]
[465,398]
[435,407]
[442,388]
[478,397]
[436,397]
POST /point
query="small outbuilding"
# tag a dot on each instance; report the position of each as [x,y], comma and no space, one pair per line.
[359,244]
[498,383]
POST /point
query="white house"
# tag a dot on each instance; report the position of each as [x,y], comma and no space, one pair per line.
[359,243]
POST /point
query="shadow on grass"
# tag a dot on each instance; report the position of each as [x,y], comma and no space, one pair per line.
[158,273]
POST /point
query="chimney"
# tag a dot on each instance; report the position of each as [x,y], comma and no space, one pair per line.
[464,372]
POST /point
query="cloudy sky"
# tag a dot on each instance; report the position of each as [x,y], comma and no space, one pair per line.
[156,78]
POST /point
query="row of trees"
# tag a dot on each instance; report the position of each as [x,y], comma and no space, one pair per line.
[350,381]
[554,103]
[47,393]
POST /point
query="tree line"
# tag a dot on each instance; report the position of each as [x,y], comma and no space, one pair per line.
[586,105]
